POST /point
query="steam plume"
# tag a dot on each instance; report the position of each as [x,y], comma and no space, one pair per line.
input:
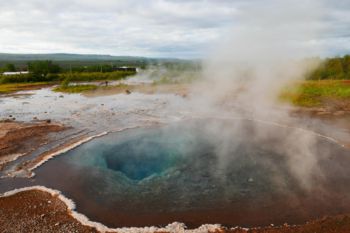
[260,56]
[263,52]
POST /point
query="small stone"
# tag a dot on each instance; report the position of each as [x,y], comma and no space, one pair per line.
[35,118]
[61,96]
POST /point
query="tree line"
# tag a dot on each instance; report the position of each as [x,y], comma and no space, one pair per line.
[46,71]
[337,68]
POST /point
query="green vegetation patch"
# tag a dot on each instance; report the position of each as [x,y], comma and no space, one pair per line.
[75,88]
[337,68]
[96,76]
[13,87]
[314,93]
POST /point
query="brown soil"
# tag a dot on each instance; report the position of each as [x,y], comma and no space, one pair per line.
[24,87]
[23,138]
[336,224]
[38,211]
[28,165]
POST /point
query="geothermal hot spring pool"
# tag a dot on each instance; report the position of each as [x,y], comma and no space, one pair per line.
[232,172]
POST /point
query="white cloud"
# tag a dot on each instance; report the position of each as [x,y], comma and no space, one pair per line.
[157,28]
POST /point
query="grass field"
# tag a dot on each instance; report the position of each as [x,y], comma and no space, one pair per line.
[316,93]
[13,87]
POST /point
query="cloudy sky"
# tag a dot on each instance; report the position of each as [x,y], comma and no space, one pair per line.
[153,28]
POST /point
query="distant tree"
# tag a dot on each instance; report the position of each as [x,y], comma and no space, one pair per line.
[40,69]
[9,68]
[346,64]
[331,68]
[334,68]
[100,68]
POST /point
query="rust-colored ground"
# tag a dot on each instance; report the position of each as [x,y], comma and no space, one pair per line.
[38,211]
[336,224]
[23,138]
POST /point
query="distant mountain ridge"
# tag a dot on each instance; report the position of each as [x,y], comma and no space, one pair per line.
[74,57]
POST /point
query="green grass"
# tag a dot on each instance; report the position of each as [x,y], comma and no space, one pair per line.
[75,88]
[95,76]
[316,93]
[13,87]
[75,76]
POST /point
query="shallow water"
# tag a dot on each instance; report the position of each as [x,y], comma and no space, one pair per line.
[104,113]
[200,172]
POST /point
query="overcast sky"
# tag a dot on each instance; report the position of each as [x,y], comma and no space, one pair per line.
[153,28]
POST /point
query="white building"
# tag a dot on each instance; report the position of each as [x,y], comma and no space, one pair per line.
[15,73]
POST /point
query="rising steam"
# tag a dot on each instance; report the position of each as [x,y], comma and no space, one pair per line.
[264,52]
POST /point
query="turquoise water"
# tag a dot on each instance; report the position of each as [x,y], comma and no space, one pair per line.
[136,155]
[197,172]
